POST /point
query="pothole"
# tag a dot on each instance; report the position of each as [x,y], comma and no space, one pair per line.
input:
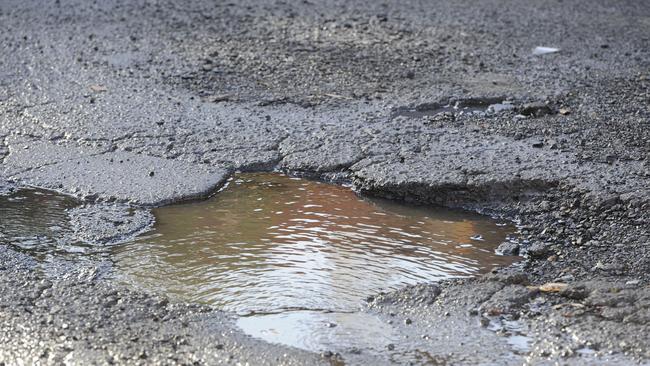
[294,258]
[479,106]
[269,242]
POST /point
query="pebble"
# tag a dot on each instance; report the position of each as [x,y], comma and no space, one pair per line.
[539,250]
[553,287]
[508,248]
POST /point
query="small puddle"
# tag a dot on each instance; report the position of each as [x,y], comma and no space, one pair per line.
[515,334]
[36,220]
[317,331]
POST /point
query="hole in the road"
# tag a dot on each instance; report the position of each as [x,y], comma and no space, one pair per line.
[479,106]
[294,257]
[269,242]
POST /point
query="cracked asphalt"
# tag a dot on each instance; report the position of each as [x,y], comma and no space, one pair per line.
[129,105]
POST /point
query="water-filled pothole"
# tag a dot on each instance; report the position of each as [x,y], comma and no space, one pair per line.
[269,242]
[294,257]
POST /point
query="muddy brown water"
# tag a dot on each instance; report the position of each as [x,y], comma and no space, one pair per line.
[294,258]
[269,242]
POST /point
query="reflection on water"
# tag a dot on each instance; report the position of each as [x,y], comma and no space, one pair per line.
[317,331]
[269,242]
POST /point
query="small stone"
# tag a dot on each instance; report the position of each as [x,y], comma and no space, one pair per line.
[408,321]
[330,325]
[390,347]
[508,248]
[553,287]
[539,250]
[564,111]
[151,173]
[598,266]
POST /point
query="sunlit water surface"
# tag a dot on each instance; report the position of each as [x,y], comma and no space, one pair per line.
[269,242]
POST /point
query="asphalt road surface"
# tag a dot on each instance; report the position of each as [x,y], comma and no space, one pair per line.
[129,105]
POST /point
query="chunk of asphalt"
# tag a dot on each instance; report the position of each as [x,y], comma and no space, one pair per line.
[125,177]
[108,223]
[26,154]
